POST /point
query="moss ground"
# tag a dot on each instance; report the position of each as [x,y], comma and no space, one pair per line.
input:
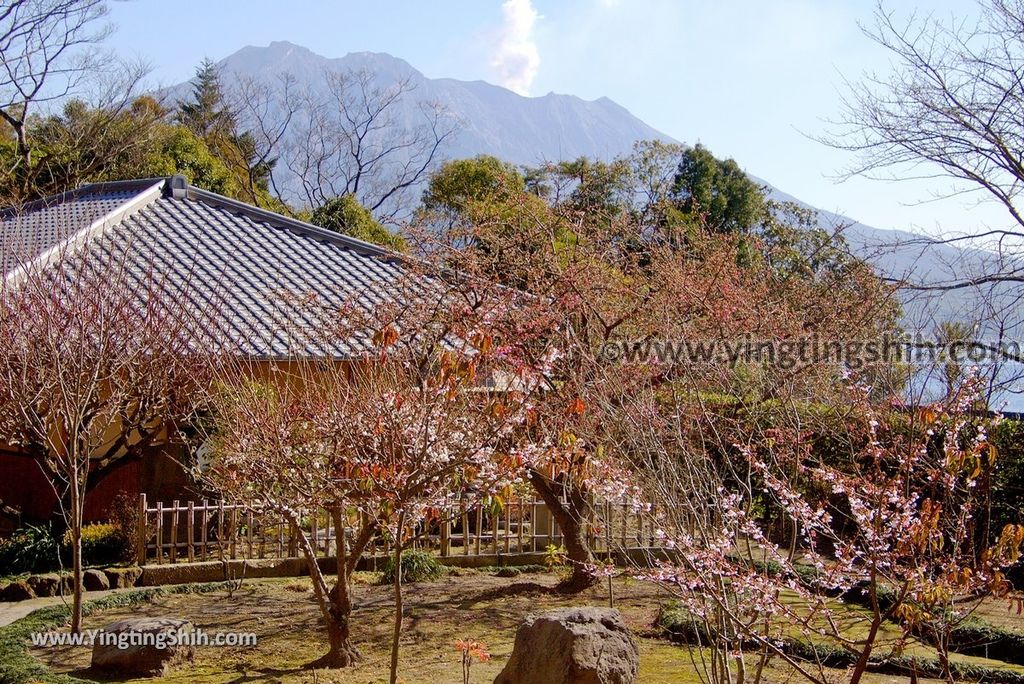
[468,604]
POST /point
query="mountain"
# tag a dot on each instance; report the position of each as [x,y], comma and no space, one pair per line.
[491,119]
[528,130]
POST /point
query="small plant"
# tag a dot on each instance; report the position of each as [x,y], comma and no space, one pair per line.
[417,566]
[471,650]
[33,548]
[555,557]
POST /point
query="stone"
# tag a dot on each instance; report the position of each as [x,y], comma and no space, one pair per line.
[142,647]
[95,580]
[18,590]
[122,578]
[50,584]
[573,646]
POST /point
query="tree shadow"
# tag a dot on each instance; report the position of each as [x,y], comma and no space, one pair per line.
[267,674]
[516,589]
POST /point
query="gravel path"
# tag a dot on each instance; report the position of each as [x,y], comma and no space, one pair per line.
[15,610]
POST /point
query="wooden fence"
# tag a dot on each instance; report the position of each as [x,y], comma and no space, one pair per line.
[200,531]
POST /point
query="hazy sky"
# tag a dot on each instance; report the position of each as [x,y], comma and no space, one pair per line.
[749,79]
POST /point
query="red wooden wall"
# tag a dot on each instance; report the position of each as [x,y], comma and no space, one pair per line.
[23,486]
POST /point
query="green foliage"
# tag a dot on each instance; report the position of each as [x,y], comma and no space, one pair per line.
[417,566]
[513,570]
[347,216]
[178,150]
[680,625]
[124,516]
[487,208]
[795,246]
[81,143]
[17,666]
[978,638]
[33,548]
[459,185]
[207,114]
[597,190]
[210,119]
[555,557]
[716,194]
[102,544]
[1008,475]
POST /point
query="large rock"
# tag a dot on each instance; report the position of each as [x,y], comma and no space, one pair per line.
[51,584]
[573,646]
[122,578]
[142,646]
[95,580]
[18,590]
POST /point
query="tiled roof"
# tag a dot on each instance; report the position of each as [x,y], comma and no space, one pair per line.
[250,265]
[27,231]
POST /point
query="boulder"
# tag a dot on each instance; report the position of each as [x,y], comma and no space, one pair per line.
[142,647]
[573,646]
[50,584]
[18,590]
[122,578]
[95,580]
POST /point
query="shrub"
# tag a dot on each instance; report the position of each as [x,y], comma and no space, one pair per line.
[555,557]
[508,571]
[32,548]
[102,544]
[124,515]
[680,626]
[513,570]
[1008,476]
[417,566]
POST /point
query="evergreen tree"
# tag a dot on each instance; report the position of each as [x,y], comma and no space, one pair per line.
[347,216]
[207,114]
[716,193]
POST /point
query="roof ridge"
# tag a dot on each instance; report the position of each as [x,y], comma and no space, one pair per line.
[96,227]
[84,188]
[293,224]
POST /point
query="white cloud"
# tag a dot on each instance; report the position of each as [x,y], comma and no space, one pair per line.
[516,58]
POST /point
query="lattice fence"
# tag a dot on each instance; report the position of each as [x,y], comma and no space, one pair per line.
[194,531]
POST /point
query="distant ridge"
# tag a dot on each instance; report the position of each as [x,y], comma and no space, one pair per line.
[493,120]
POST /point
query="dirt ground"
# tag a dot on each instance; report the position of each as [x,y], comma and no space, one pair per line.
[469,605]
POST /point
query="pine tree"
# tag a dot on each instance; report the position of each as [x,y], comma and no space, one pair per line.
[207,114]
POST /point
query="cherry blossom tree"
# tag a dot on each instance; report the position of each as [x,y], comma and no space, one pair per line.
[99,361]
[429,415]
[885,523]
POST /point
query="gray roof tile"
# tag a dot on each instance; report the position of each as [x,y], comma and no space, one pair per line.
[248,264]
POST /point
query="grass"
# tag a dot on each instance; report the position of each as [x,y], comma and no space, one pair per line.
[17,666]
[472,604]
[891,655]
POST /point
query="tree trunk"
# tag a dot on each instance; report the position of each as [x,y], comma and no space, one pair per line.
[75,525]
[572,517]
[397,634]
[869,641]
[865,655]
[342,652]
[335,606]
